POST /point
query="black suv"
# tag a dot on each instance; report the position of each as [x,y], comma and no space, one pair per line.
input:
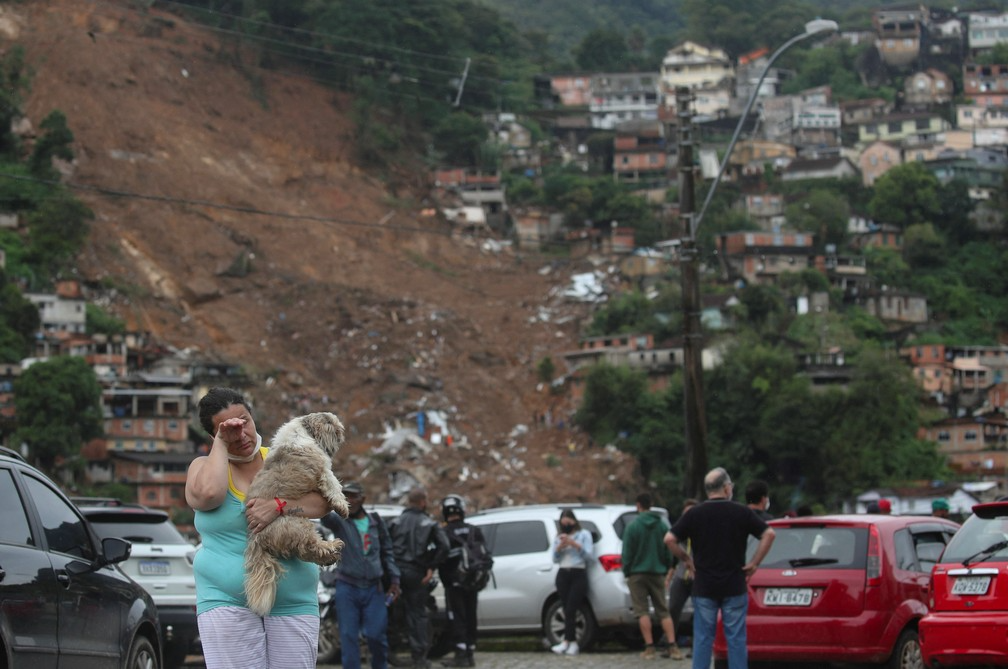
[63,602]
[161,562]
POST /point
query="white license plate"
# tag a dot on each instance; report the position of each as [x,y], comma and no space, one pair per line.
[787,596]
[155,568]
[971,585]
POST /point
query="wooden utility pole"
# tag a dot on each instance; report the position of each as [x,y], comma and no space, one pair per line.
[689,269]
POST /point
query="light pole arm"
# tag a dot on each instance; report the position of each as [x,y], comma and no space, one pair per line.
[824,26]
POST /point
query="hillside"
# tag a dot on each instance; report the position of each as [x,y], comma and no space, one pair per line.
[196,162]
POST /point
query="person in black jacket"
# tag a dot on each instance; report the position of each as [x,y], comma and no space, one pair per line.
[420,545]
[359,595]
[461,600]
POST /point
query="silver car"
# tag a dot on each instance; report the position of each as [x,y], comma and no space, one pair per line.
[521,596]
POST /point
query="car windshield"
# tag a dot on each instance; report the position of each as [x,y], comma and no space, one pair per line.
[979,540]
[816,547]
[139,532]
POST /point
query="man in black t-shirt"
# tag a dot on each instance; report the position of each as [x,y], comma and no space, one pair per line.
[717,531]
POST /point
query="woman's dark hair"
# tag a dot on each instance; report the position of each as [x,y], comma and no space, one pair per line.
[215,401]
[567,513]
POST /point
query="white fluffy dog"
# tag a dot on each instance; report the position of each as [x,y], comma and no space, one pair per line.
[300,461]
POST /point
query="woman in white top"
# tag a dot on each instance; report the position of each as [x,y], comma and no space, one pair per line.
[572,550]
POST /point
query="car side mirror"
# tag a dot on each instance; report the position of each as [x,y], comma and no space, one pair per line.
[115,550]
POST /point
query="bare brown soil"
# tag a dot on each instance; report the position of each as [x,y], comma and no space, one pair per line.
[352,302]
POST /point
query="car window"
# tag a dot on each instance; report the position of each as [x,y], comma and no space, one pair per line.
[817,547]
[65,532]
[928,546]
[906,558]
[522,536]
[985,538]
[161,532]
[14,527]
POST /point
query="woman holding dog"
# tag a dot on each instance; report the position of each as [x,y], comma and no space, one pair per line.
[231,634]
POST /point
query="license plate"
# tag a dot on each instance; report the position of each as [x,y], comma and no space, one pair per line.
[971,585]
[155,568]
[787,597]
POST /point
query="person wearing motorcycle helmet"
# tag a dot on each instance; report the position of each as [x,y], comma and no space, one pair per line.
[461,595]
[452,505]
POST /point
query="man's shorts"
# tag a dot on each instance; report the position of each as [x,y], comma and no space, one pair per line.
[644,587]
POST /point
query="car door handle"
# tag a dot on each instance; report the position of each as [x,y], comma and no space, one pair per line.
[3,574]
[546,569]
[63,578]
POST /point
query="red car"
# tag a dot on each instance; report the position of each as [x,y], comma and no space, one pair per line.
[844,588]
[968,620]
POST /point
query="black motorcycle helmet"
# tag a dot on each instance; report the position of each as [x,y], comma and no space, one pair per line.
[452,505]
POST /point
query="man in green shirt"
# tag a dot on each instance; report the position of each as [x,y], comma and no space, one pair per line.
[646,561]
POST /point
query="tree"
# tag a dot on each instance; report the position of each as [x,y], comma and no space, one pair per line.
[822,213]
[905,195]
[603,50]
[55,142]
[56,231]
[19,321]
[58,405]
[611,407]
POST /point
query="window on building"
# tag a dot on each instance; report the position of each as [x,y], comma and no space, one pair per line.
[970,435]
[944,436]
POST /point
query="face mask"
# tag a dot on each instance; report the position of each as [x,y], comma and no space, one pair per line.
[251,456]
[567,529]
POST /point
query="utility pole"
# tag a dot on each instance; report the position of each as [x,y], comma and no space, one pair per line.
[689,269]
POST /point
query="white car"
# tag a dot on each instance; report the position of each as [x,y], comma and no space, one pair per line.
[521,596]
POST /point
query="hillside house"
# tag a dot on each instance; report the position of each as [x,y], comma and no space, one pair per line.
[971,444]
[62,310]
[8,375]
[986,85]
[986,29]
[637,351]
[896,306]
[847,273]
[571,90]
[817,125]
[899,31]
[620,97]
[751,157]
[640,154]
[929,367]
[535,227]
[760,257]
[877,236]
[837,167]
[696,67]
[877,159]
[747,74]
[766,210]
[908,128]
[854,112]
[927,88]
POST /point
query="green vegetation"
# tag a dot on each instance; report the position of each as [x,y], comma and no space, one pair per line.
[58,404]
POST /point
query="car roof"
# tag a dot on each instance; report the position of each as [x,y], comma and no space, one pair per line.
[858,519]
[557,507]
[107,510]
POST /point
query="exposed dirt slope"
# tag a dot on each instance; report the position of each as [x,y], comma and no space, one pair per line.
[356,305]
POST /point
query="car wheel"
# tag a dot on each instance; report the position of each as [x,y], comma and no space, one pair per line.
[553,624]
[328,641]
[142,655]
[907,653]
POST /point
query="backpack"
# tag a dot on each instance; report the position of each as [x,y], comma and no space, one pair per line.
[473,570]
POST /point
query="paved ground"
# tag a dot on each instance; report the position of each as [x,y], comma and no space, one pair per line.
[547,660]
[604,659]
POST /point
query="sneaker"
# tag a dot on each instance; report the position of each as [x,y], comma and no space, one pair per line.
[674,653]
[648,654]
[572,649]
[560,648]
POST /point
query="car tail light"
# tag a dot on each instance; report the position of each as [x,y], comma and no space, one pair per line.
[874,564]
[611,562]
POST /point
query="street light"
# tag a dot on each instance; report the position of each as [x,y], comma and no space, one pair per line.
[696,421]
